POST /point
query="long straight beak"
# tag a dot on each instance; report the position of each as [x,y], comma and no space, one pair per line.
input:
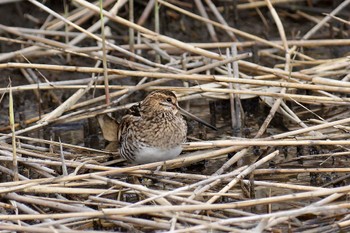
[190,115]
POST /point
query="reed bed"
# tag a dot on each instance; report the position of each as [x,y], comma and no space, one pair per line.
[279,98]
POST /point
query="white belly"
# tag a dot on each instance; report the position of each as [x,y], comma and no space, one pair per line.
[152,154]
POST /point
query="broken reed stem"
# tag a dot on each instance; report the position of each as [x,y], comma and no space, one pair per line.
[104,52]
[156,26]
[231,96]
[12,124]
[258,4]
[239,113]
[278,101]
[131,30]
[204,14]
[64,167]
[66,30]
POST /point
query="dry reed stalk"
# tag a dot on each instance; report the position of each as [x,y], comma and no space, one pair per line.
[204,14]
[98,24]
[257,4]
[38,229]
[65,145]
[316,20]
[61,190]
[104,53]
[146,12]
[340,19]
[277,102]
[14,146]
[284,186]
[218,45]
[75,15]
[43,32]
[231,96]
[322,22]
[11,173]
[220,18]
[301,170]
[225,143]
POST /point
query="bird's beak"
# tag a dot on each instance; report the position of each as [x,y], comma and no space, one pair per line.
[190,115]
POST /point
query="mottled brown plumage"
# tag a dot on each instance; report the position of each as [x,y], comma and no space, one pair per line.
[153,131]
[157,133]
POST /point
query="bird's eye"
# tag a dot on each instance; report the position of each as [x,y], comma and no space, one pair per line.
[168,100]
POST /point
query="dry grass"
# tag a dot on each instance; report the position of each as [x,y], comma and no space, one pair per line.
[299,181]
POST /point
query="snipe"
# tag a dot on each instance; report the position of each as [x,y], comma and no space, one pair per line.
[153,130]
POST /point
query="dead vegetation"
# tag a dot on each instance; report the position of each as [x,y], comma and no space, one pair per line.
[284,169]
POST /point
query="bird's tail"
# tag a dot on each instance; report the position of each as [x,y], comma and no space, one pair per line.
[109,127]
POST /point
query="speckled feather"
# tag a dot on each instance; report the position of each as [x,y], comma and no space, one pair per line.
[154,131]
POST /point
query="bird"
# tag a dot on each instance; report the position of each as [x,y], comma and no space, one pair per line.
[152,131]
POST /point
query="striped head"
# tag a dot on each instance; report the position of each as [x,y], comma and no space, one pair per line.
[161,101]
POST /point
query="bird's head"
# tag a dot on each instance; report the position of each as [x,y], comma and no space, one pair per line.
[165,102]
[160,101]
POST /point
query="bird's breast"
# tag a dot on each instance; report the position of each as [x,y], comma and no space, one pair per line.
[155,154]
[163,133]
